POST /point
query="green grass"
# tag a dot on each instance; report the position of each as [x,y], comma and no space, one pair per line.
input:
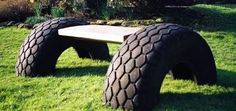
[78,83]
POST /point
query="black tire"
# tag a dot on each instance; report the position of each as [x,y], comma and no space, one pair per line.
[92,49]
[182,71]
[41,49]
[135,76]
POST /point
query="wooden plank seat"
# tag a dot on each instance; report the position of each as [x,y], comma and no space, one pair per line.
[116,34]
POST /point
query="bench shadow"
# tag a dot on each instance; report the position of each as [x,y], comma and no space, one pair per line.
[225,78]
[80,71]
[219,101]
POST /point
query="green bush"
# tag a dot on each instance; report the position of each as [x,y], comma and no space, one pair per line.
[71,5]
[57,12]
[79,5]
[38,9]
[105,14]
[35,20]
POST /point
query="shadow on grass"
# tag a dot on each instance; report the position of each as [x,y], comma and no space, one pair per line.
[226,78]
[218,18]
[81,71]
[222,101]
[205,17]
[197,102]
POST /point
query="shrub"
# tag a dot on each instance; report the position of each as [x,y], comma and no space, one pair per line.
[106,15]
[70,5]
[57,12]
[79,5]
[153,6]
[35,20]
[38,9]
[16,10]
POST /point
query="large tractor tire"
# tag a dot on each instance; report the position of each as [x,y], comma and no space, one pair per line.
[92,49]
[135,76]
[41,49]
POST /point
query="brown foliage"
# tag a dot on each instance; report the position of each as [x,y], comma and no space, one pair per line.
[16,10]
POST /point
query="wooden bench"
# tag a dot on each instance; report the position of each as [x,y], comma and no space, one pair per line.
[135,75]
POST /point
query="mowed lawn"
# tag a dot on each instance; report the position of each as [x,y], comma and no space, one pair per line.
[77,83]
